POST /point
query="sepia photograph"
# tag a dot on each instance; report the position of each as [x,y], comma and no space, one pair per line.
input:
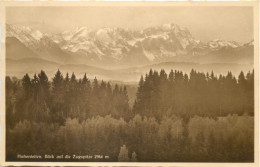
[130,83]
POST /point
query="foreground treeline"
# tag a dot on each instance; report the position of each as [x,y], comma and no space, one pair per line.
[228,139]
[175,117]
[200,94]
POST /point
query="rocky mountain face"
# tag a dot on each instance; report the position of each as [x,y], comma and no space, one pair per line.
[125,46]
[106,47]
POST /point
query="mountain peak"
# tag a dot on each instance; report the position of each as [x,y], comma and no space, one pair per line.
[25,34]
[251,43]
[217,44]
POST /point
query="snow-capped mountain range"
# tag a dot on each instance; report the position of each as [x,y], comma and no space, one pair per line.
[115,46]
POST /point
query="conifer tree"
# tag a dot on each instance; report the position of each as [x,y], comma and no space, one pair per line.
[123,154]
[27,85]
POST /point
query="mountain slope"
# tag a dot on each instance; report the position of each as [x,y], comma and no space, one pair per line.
[40,44]
[17,50]
[239,55]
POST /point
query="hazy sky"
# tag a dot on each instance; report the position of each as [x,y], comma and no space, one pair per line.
[205,23]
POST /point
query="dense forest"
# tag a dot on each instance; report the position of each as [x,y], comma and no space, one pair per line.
[175,117]
[200,94]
